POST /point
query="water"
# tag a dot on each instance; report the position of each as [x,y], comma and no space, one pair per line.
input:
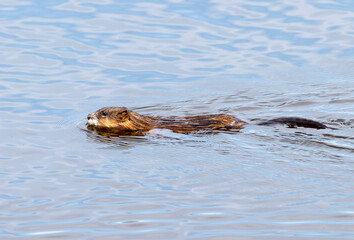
[257,60]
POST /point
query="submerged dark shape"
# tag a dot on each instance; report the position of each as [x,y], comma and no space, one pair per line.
[121,121]
[295,122]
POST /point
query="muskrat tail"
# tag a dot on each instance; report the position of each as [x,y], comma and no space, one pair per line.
[295,122]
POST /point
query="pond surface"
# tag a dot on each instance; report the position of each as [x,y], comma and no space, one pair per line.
[254,59]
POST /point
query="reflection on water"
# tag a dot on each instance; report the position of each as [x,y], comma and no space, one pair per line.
[256,60]
[114,140]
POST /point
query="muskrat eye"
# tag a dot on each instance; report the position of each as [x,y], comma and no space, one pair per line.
[104,114]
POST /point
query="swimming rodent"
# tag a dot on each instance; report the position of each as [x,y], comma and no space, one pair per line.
[121,121]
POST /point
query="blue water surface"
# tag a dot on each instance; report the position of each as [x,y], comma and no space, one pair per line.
[254,59]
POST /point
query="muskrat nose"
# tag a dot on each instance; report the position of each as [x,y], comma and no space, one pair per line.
[89,116]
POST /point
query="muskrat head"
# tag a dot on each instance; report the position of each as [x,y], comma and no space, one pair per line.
[109,117]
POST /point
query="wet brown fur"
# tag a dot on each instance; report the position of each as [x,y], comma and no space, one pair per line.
[122,121]
[126,122]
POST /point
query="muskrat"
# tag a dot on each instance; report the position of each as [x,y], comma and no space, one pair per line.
[121,121]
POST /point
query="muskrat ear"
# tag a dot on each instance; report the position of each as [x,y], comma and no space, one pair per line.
[124,114]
